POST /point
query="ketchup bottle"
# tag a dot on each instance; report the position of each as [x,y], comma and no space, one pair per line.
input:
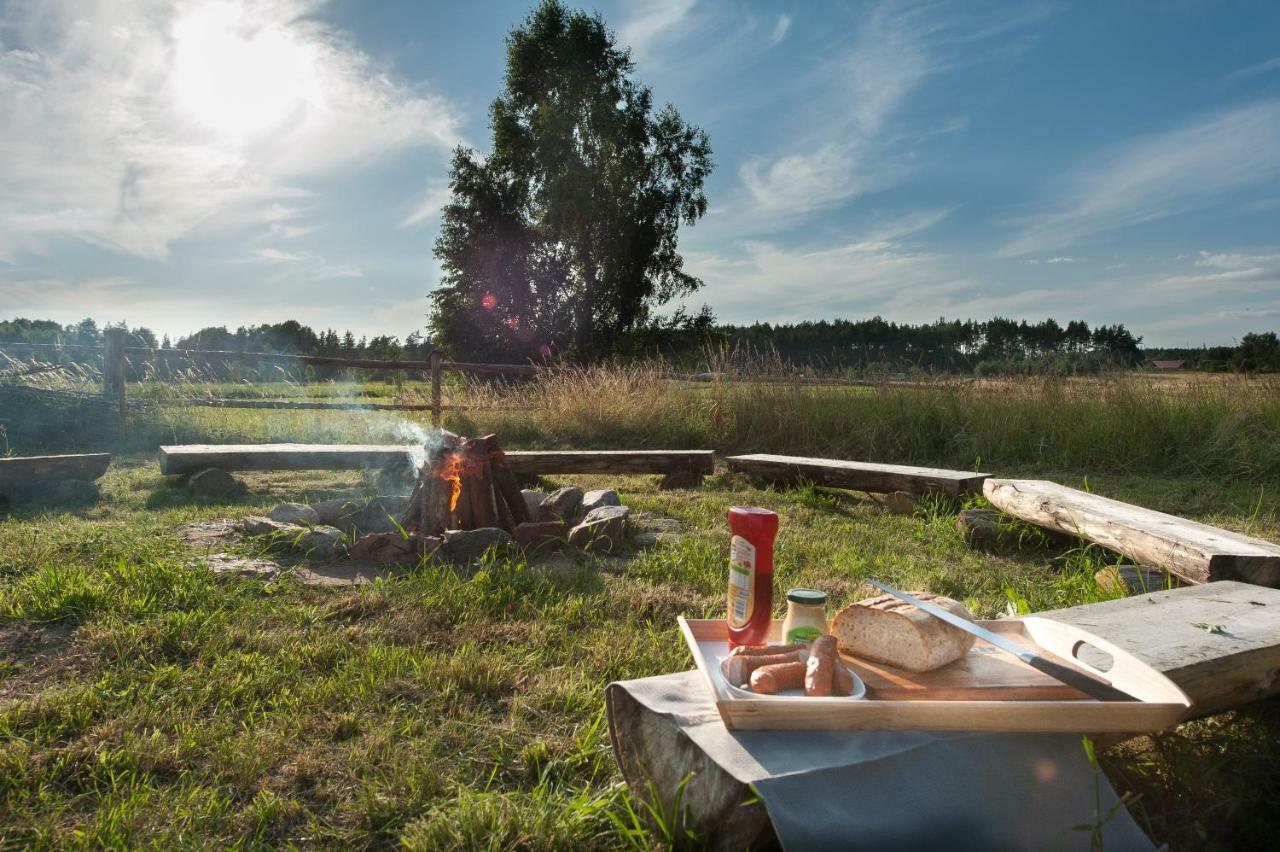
[751,574]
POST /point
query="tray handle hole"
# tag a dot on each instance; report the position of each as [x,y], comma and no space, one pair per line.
[1092,656]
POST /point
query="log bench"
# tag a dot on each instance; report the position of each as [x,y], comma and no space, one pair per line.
[1218,671]
[859,476]
[26,471]
[190,458]
[1195,552]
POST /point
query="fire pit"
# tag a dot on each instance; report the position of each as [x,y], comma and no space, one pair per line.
[465,502]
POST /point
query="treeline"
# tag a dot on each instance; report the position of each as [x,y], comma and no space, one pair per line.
[293,337]
[997,345]
[1256,353]
[290,337]
[83,333]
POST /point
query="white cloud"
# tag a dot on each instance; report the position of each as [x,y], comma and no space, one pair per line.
[1227,260]
[1272,64]
[871,272]
[435,197]
[278,256]
[658,18]
[780,29]
[852,141]
[130,125]
[1158,176]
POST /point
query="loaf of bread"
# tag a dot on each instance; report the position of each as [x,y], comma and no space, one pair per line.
[894,632]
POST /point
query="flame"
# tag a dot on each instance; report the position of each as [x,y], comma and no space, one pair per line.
[451,471]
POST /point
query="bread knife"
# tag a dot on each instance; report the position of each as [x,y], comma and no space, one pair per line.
[1087,684]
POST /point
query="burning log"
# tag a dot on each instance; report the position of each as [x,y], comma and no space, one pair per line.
[465,484]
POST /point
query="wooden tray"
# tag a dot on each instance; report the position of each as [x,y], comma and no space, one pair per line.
[987,690]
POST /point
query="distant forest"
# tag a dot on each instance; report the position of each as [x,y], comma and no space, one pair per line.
[996,346]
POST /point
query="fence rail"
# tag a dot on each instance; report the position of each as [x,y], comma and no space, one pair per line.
[115,355]
[115,359]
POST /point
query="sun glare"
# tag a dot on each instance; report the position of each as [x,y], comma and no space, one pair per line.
[240,77]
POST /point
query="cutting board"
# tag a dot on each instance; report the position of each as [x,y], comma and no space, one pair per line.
[986,673]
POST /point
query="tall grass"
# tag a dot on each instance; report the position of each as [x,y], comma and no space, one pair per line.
[1222,425]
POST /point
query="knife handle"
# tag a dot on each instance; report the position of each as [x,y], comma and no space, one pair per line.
[1077,679]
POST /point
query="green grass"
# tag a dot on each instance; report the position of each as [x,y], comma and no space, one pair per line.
[145,701]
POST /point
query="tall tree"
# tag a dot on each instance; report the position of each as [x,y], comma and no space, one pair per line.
[567,231]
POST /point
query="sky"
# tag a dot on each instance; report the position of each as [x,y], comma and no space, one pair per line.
[229,162]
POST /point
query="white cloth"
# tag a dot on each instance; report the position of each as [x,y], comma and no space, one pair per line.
[889,790]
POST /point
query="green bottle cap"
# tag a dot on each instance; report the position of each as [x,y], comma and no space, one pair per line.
[807,596]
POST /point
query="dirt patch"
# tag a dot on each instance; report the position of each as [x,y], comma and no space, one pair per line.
[32,654]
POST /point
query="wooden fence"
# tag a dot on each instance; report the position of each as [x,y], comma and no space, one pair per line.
[115,355]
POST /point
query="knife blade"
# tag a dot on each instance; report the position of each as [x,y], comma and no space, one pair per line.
[1087,684]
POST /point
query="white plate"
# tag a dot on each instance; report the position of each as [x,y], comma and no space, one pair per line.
[714,652]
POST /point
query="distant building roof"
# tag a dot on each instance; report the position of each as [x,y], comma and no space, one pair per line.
[1168,365]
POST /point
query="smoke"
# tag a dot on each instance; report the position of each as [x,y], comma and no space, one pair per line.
[422,441]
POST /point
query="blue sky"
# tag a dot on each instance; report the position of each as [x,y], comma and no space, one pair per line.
[181,164]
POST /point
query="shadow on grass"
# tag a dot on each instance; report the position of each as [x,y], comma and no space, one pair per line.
[73,497]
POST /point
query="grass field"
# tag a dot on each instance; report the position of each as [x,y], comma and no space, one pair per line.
[144,700]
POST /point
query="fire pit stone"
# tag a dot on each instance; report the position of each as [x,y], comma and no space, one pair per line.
[604,528]
[258,525]
[469,545]
[294,513]
[537,533]
[533,502]
[321,542]
[600,497]
[565,503]
[392,548]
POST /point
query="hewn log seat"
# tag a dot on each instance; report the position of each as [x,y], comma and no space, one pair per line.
[189,458]
[859,476]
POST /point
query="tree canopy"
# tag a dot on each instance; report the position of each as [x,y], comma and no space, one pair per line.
[566,233]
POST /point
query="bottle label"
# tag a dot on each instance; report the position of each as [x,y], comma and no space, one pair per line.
[742,581]
[802,634]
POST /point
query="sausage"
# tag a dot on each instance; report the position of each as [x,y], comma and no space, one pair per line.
[819,668]
[770,680]
[737,669]
[841,678]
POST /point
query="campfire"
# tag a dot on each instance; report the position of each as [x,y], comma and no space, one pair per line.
[464,484]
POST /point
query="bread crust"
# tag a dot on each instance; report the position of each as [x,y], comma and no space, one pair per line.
[904,635]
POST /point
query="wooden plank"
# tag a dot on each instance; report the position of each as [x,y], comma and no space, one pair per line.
[1219,642]
[182,459]
[21,471]
[1196,552]
[860,476]
[699,462]
[190,458]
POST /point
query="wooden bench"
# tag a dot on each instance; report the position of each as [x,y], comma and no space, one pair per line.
[1218,671]
[859,476]
[24,471]
[190,458]
[1196,552]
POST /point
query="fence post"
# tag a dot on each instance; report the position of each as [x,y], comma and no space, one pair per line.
[113,340]
[435,388]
